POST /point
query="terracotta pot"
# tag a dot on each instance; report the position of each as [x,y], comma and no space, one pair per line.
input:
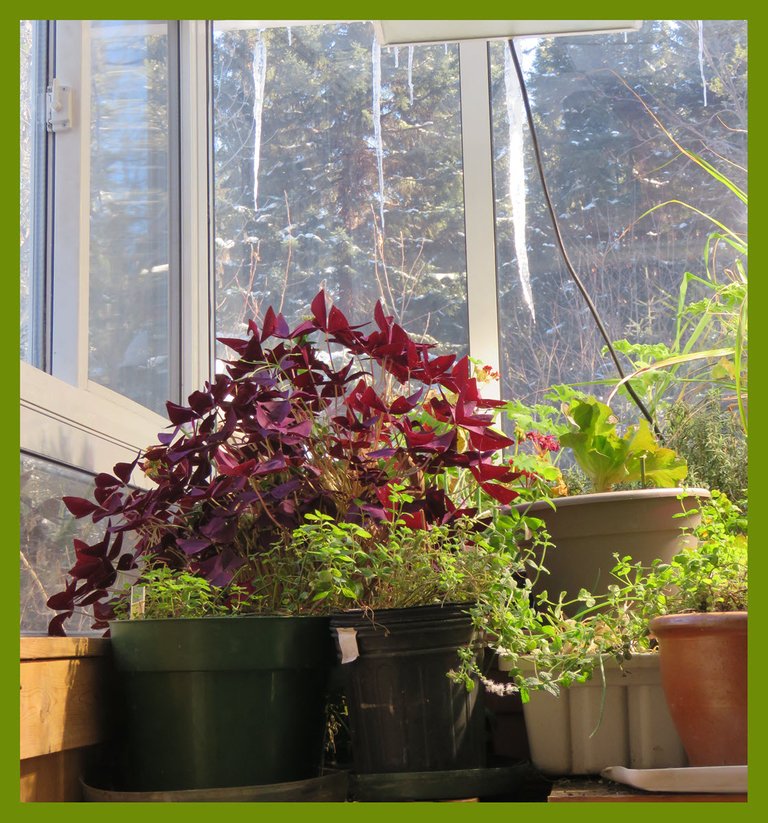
[704,675]
[587,529]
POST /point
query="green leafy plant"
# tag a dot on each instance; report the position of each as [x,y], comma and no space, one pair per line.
[162,592]
[609,458]
[578,425]
[480,561]
[390,565]
[714,576]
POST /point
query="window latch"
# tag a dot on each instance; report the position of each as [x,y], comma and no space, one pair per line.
[58,107]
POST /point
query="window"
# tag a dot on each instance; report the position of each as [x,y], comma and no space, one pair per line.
[133,261]
[47,530]
[607,163]
[107,333]
[112,192]
[104,190]
[33,152]
[338,164]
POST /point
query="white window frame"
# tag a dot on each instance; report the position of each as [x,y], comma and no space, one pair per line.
[65,416]
[70,419]
[479,207]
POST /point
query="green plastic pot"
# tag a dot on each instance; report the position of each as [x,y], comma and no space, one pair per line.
[221,701]
[330,787]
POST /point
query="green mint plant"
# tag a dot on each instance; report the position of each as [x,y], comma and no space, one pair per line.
[389,564]
[714,576]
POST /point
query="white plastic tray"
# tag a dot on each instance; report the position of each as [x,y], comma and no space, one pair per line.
[715,779]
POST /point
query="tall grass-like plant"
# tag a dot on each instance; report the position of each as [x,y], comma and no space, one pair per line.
[709,348]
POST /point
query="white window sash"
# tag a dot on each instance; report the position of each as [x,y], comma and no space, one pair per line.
[89,430]
[196,189]
[71,210]
[65,416]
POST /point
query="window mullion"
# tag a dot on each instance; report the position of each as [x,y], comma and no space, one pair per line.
[479,216]
[175,200]
[197,317]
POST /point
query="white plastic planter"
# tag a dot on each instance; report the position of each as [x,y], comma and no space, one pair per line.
[636,730]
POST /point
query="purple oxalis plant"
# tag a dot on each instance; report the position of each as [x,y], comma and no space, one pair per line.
[326,418]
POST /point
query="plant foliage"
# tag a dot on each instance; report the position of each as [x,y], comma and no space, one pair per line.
[315,422]
[609,458]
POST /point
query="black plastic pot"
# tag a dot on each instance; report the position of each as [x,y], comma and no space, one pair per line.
[405,714]
[454,784]
[220,702]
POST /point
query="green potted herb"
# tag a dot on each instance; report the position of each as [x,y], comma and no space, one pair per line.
[223,692]
[410,600]
[591,687]
[701,629]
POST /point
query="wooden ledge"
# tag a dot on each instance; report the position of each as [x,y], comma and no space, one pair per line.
[48,648]
[64,693]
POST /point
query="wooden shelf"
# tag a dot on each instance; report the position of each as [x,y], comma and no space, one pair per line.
[596,790]
[46,648]
[64,710]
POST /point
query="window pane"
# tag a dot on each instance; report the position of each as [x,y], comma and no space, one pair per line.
[606,164]
[32,142]
[338,164]
[130,278]
[47,530]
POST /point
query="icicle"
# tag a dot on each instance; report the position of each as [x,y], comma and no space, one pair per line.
[396,49]
[516,118]
[259,79]
[290,35]
[378,140]
[410,74]
[625,37]
[445,48]
[700,25]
